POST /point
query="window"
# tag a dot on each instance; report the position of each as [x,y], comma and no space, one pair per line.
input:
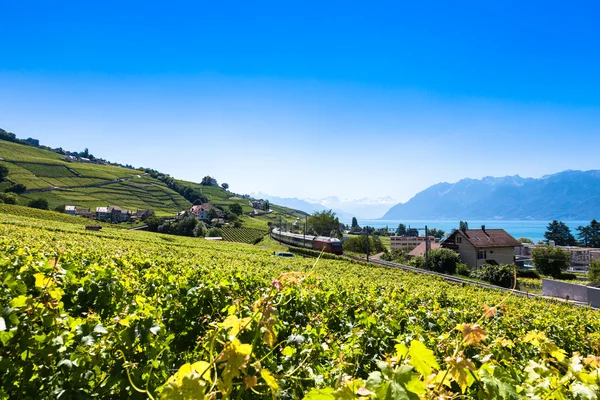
[481,255]
[458,239]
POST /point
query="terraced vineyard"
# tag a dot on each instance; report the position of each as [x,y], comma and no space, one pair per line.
[243,235]
[122,314]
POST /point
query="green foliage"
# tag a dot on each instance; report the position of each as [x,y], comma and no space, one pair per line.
[225,185]
[354,223]
[114,313]
[550,260]
[499,275]
[17,188]
[462,269]
[443,261]
[324,223]
[215,232]
[401,230]
[525,240]
[418,262]
[8,198]
[463,225]
[529,273]
[560,233]
[594,271]
[60,208]
[437,233]
[358,244]
[396,255]
[200,229]
[589,235]
[242,235]
[236,209]
[42,204]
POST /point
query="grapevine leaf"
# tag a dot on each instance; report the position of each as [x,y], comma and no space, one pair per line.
[18,302]
[270,380]
[320,394]
[40,280]
[288,351]
[473,334]
[422,358]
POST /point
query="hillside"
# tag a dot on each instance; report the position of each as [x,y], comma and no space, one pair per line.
[568,195]
[47,175]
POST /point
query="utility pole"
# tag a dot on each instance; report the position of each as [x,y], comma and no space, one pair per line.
[305,224]
[367,242]
[426,248]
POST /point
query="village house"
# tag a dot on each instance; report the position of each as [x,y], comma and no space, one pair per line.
[143,214]
[103,214]
[422,247]
[258,204]
[71,210]
[201,211]
[409,242]
[84,212]
[477,247]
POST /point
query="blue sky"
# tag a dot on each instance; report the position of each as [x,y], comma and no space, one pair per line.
[308,99]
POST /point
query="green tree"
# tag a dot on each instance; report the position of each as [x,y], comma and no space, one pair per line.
[436,233]
[225,185]
[550,260]
[499,275]
[358,244]
[525,240]
[3,172]
[560,233]
[60,208]
[354,222]
[8,198]
[463,225]
[324,223]
[401,230]
[594,271]
[589,235]
[412,232]
[214,232]
[236,209]
[42,204]
[17,188]
[267,205]
[443,261]
[212,214]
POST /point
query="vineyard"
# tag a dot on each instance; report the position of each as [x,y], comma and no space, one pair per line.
[243,235]
[122,314]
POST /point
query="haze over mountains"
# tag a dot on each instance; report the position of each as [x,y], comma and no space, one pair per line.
[567,195]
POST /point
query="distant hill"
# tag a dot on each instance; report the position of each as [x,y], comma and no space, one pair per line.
[567,195]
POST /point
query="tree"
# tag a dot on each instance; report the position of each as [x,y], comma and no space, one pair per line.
[214,232]
[401,230]
[594,271]
[17,188]
[236,209]
[212,214]
[436,233]
[560,234]
[325,223]
[354,222]
[443,261]
[60,208]
[550,260]
[525,240]
[42,204]
[8,198]
[358,244]
[589,235]
[225,185]
[499,275]
[267,205]
[3,172]
[208,181]
[463,226]
[412,232]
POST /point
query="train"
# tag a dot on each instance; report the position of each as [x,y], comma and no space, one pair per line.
[324,243]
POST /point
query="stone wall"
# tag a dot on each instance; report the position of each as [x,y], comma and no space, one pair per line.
[582,293]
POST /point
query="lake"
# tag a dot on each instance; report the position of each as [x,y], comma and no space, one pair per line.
[533,230]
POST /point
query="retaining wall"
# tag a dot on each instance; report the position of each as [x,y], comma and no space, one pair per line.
[584,294]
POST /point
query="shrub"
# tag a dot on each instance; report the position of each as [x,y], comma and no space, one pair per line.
[550,261]
[443,261]
[200,229]
[594,271]
[214,232]
[60,208]
[42,204]
[16,188]
[499,275]
[358,244]
[418,262]
[395,255]
[8,198]
[567,276]
[527,273]
[462,269]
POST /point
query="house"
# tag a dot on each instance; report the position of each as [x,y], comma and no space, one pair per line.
[143,214]
[409,242]
[480,246]
[201,211]
[125,216]
[420,249]
[258,204]
[71,210]
[103,214]
[115,213]
[84,212]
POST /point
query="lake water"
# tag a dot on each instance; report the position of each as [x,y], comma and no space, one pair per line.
[533,230]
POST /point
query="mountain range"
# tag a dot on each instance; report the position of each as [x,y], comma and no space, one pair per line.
[567,195]
[344,208]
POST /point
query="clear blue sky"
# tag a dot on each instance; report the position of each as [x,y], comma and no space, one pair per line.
[305,99]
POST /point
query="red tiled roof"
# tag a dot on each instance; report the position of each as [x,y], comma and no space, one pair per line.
[420,249]
[489,238]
